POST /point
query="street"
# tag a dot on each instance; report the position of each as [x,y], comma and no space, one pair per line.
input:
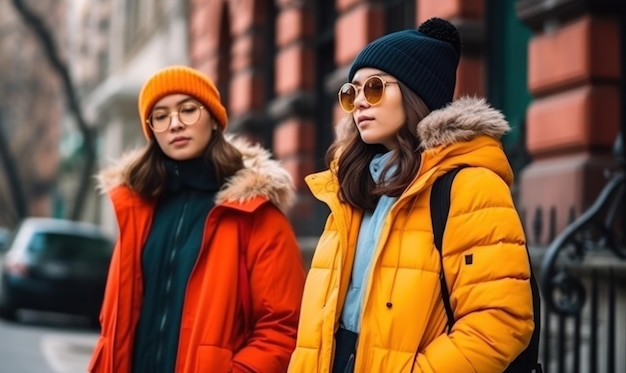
[45,344]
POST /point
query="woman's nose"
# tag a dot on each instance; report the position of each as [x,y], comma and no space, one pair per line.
[175,121]
[359,100]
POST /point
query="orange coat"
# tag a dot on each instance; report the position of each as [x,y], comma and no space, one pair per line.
[211,335]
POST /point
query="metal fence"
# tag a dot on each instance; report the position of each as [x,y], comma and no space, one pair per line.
[583,285]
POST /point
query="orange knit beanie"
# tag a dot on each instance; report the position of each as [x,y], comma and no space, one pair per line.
[181,80]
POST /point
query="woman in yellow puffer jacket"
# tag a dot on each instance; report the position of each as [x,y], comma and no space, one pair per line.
[372,300]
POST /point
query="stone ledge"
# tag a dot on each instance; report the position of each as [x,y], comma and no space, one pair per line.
[544,14]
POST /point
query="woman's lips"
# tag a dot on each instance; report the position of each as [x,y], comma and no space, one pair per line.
[362,119]
[180,141]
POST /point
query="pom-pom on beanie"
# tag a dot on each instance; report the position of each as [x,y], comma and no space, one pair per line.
[425,60]
[180,80]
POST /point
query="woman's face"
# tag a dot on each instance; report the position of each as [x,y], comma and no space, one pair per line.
[178,140]
[379,124]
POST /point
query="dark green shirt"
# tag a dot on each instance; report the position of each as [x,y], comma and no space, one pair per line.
[168,258]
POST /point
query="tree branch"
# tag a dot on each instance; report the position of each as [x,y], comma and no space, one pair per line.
[47,42]
[13,177]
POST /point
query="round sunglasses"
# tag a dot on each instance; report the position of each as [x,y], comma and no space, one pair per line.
[373,91]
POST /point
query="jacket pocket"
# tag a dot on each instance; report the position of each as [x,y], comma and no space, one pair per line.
[96,356]
[213,359]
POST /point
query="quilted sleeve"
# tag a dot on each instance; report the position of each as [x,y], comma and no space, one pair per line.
[487,271]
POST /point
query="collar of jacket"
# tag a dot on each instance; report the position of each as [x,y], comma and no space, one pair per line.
[467,131]
[462,120]
[192,174]
[261,179]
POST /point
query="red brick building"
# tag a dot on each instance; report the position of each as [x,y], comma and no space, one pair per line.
[552,67]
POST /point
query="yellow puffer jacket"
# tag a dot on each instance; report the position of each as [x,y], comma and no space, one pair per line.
[403,325]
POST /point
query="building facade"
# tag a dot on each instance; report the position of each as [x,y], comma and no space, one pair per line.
[553,68]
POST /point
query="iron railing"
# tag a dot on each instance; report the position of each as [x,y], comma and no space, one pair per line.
[597,236]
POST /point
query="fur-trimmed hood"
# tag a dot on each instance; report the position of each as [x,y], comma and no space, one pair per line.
[465,132]
[261,176]
[462,120]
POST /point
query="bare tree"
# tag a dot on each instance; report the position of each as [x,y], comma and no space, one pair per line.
[13,177]
[31,110]
[36,24]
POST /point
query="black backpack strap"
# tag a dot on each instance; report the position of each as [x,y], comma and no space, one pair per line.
[439,210]
[527,361]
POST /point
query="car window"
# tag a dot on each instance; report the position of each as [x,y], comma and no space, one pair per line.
[61,246]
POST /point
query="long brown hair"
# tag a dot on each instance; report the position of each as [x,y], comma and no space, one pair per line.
[356,186]
[146,175]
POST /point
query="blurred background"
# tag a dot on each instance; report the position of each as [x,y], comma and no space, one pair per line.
[71,70]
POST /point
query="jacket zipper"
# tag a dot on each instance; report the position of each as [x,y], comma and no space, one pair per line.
[380,243]
[172,258]
[202,245]
[378,251]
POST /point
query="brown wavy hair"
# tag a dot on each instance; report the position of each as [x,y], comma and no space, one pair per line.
[146,175]
[353,156]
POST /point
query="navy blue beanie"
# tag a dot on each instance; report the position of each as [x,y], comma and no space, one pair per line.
[425,60]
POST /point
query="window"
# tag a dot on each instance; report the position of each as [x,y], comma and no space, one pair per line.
[325,100]
[223,73]
[400,15]
[507,89]
[69,247]
[325,17]
[140,20]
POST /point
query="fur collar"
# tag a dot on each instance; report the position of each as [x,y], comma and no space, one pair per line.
[462,120]
[261,176]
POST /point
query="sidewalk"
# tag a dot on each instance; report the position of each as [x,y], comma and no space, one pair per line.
[68,352]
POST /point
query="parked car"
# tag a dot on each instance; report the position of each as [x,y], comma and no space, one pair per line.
[55,265]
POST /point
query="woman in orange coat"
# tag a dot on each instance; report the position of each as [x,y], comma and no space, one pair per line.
[206,275]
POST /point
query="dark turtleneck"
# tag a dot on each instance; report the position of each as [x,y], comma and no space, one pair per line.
[168,258]
[197,174]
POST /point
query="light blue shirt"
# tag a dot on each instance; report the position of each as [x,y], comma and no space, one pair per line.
[366,245]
